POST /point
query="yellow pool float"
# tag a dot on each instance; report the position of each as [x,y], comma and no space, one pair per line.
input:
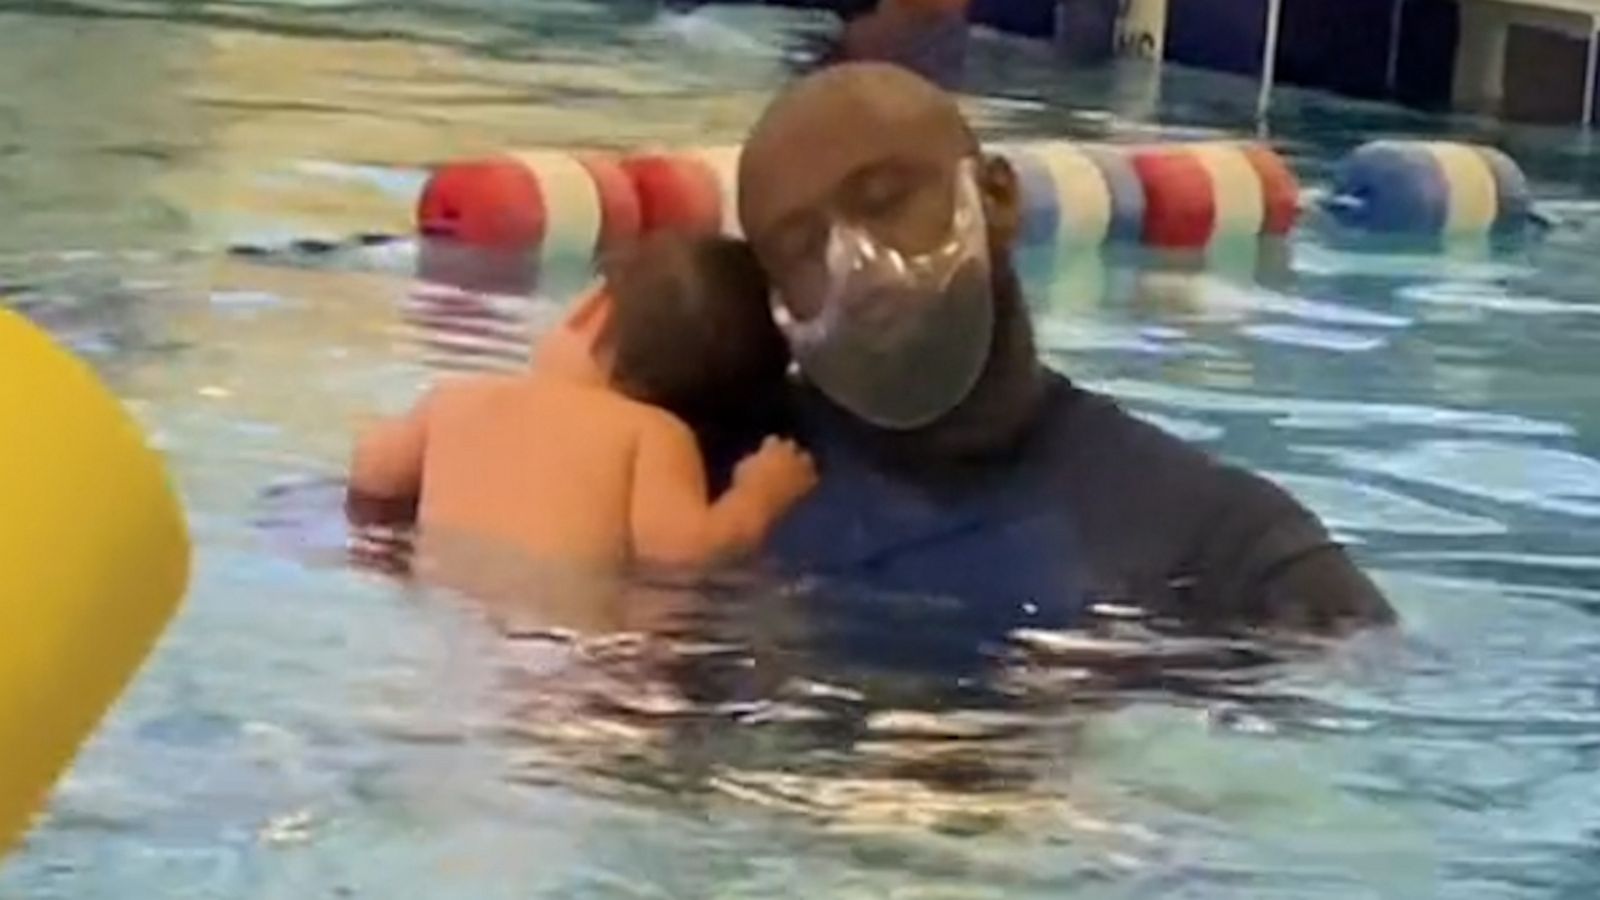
[94,558]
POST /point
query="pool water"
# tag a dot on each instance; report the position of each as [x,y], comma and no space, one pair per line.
[313,728]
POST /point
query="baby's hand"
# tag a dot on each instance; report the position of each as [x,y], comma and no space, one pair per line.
[780,471]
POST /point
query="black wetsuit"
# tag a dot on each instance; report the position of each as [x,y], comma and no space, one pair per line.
[1093,505]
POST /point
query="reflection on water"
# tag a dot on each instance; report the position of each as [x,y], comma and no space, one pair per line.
[460,329]
[320,726]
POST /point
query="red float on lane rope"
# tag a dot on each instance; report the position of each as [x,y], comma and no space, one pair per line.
[1180,210]
[493,203]
[675,192]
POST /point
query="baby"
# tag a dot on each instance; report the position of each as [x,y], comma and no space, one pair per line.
[589,456]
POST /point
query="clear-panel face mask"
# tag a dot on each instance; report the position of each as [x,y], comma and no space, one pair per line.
[898,339]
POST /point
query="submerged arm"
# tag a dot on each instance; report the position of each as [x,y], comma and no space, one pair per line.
[386,465]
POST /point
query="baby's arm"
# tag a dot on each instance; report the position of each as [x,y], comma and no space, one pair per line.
[388,456]
[672,520]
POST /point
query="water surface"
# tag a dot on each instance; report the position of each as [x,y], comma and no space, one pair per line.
[314,729]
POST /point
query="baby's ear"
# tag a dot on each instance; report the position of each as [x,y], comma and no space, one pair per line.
[590,313]
[1002,199]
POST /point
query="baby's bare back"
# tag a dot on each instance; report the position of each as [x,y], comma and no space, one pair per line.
[536,462]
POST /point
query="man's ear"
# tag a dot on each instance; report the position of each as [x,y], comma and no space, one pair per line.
[1002,199]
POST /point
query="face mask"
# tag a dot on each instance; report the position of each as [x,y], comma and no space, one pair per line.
[898,339]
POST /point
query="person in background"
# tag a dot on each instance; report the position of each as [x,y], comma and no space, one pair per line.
[590,458]
[928,37]
[1086,30]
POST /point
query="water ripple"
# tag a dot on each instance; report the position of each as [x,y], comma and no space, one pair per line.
[1541,478]
[1316,338]
[1332,415]
[1493,298]
[1351,506]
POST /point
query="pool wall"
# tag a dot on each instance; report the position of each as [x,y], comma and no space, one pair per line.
[1353,58]
[1527,60]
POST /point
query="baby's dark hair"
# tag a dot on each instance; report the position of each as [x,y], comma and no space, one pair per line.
[691,330]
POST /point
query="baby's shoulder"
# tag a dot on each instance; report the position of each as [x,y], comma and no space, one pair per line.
[658,421]
[598,409]
[599,405]
[479,383]
[455,397]
[642,420]
[458,389]
[642,417]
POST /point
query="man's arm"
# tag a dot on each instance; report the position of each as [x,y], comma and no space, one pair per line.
[1268,562]
[1229,548]
[1322,592]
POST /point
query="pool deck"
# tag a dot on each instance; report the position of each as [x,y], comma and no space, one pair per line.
[1485,25]
[1582,7]
[1480,60]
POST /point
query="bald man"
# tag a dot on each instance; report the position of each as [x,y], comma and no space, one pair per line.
[954,465]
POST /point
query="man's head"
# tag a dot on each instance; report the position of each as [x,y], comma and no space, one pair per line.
[687,328]
[885,159]
[869,142]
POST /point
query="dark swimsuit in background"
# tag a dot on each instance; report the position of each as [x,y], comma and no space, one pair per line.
[934,47]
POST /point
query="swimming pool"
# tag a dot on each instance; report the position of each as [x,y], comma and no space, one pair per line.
[309,729]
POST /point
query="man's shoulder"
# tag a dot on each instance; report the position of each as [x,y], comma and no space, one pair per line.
[1080,423]
[1114,457]
[1075,429]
